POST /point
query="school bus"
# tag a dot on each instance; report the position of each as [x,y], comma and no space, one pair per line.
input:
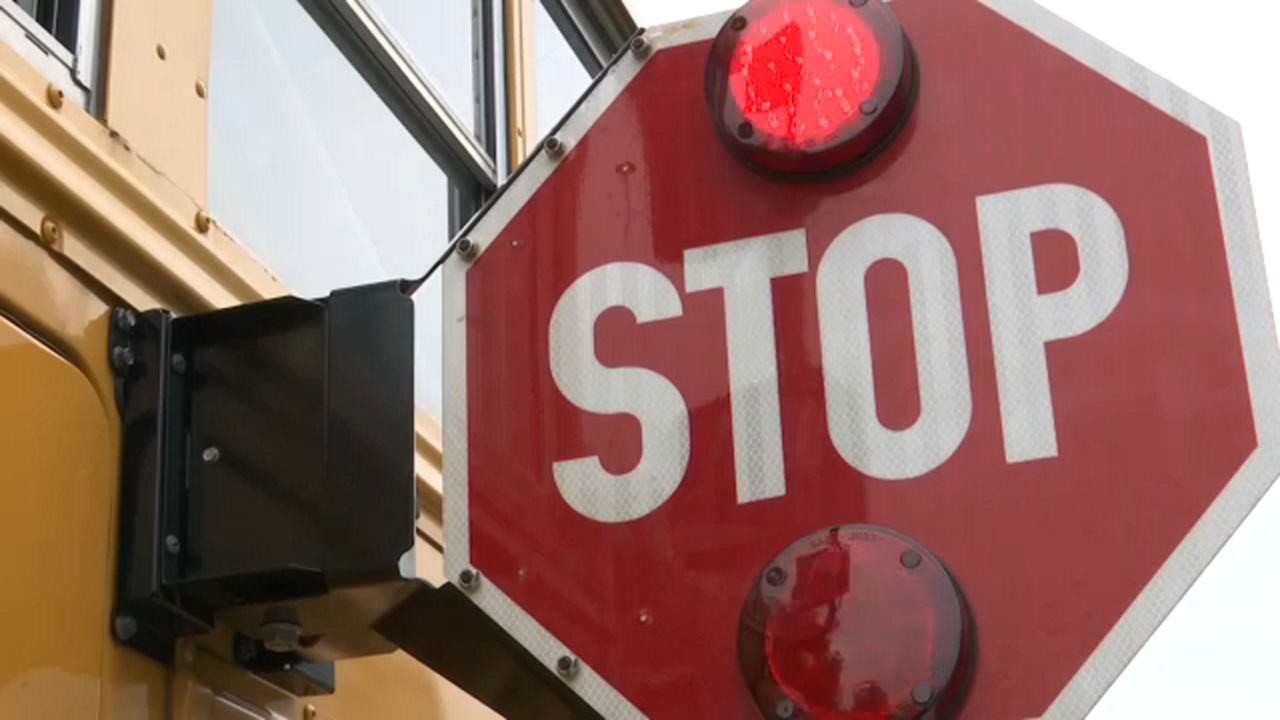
[163,161]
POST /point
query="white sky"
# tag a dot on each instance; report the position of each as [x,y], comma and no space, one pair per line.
[1215,655]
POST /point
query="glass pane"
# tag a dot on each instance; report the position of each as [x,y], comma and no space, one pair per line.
[558,76]
[438,35]
[311,171]
[58,18]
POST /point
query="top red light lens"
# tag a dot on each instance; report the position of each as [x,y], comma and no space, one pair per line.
[802,71]
[810,86]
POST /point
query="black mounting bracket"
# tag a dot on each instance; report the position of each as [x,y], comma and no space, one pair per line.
[267,483]
[268,473]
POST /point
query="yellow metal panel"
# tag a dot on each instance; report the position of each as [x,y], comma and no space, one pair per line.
[521,88]
[126,226]
[55,451]
[157,85]
[69,316]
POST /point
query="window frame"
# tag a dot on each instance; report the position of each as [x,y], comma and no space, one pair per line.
[387,68]
[474,162]
[595,29]
[75,71]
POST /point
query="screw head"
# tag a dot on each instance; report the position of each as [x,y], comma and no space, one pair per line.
[50,231]
[125,627]
[869,107]
[55,96]
[922,693]
[468,579]
[640,47]
[775,576]
[179,363]
[910,559]
[554,146]
[201,89]
[738,23]
[172,544]
[467,248]
[746,130]
[785,709]
[567,666]
[121,358]
[125,319]
[203,222]
[211,454]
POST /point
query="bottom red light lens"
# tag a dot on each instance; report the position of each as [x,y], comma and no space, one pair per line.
[855,623]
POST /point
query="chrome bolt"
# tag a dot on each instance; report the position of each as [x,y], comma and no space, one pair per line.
[125,319]
[121,358]
[775,576]
[922,693]
[172,544]
[280,631]
[869,107]
[467,248]
[567,666]
[554,146]
[281,637]
[640,47]
[178,363]
[125,627]
[211,455]
[910,559]
[469,579]
[784,709]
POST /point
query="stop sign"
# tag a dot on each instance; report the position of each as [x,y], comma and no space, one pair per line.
[1031,339]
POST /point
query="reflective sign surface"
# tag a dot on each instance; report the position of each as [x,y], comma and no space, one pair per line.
[1025,336]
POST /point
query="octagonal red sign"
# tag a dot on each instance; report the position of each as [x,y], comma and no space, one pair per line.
[1032,336]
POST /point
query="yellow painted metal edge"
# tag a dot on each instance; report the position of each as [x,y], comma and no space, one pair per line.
[521,83]
[77,187]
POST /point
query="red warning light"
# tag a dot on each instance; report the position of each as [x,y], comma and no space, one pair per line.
[855,623]
[810,86]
